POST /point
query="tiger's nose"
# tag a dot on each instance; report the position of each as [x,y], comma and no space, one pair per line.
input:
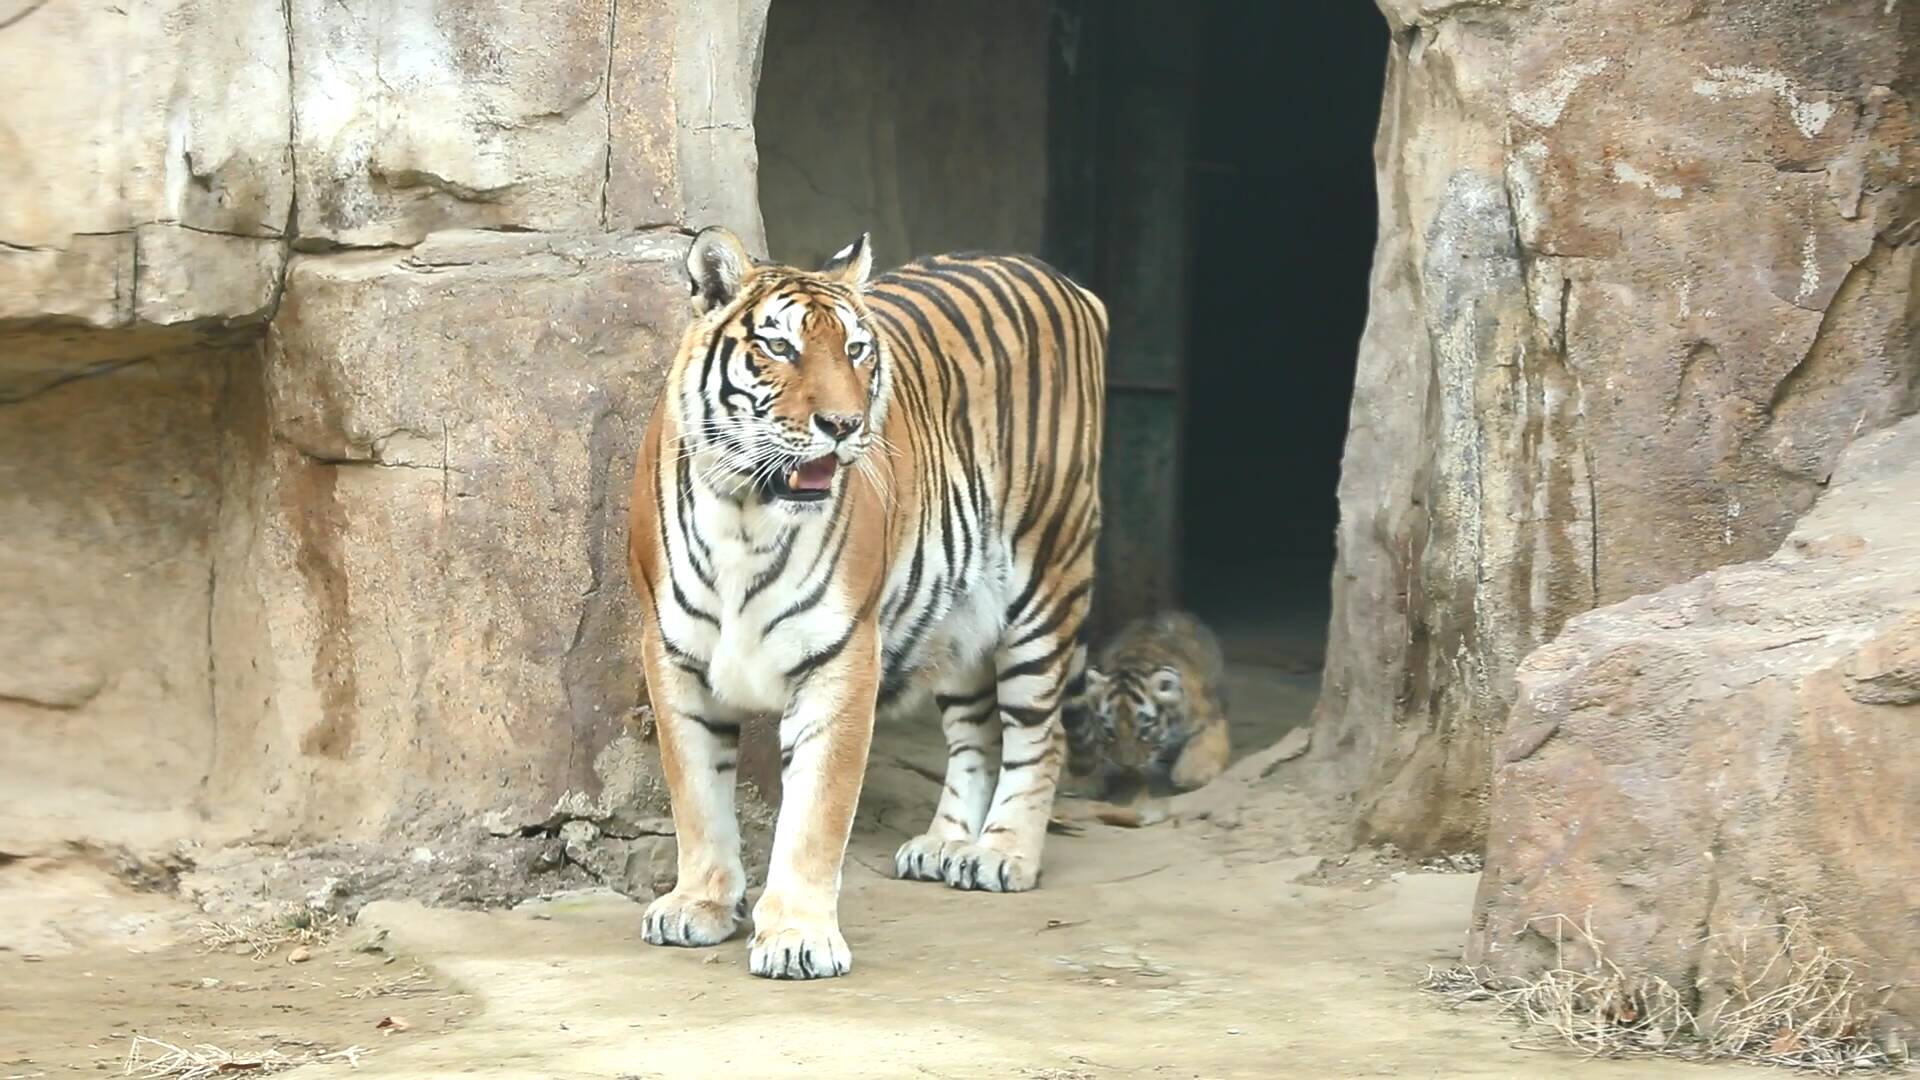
[837,426]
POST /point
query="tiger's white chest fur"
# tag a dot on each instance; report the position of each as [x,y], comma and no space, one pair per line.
[772,595]
[761,627]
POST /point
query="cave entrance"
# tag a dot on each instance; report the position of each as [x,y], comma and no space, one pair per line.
[1206,167]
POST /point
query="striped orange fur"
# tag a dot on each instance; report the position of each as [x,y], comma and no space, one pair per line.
[855,495]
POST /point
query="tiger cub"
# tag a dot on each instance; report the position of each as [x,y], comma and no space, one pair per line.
[1154,707]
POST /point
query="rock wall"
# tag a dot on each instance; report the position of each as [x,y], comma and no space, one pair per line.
[108,490]
[326,337]
[420,605]
[1644,270]
[922,122]
[149,156]
[1685,769]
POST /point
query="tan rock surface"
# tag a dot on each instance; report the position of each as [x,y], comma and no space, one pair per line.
[1699,761]
[1645,268]
[356,581]
[162,158]
[421,606]
[107,488]
[132,141]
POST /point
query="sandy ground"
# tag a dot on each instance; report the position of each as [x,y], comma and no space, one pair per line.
[1191,949]
[77,1014]
[1145,954]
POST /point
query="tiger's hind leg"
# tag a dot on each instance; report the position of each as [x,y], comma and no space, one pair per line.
[1084,737]
[970,721]
[1032,669]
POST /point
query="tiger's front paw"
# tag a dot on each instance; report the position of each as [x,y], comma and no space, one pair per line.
[967,865]
[680,919]
[797,948]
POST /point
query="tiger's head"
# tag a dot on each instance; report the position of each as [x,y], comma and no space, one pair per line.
[1141,713]
[784,385]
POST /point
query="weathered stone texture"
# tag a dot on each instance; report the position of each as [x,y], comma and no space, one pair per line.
[132,141]
[1699,761]
[411,117]
[919,174]
[357,579]
[1644,270]
[421,597]
[163,158]
[108,489]
[418,115]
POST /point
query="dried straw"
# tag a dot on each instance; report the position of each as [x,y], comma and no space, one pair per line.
[1790,1003]
[206,1060]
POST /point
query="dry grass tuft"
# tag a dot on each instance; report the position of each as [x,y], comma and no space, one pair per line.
[1790,1003]
[1797,1004]
[155,1058]
[264,935]
[406,985]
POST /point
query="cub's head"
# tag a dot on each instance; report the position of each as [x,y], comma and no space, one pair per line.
[1141,713]
[784,383]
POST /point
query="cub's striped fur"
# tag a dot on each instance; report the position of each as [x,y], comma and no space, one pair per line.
[853,494]
[1156,703]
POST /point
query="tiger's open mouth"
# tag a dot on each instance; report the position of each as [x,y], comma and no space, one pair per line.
[809,481]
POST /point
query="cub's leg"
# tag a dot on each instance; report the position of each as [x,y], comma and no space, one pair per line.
[1203,757]
[698,752]
[971,722]
[1032,672]
[824,738]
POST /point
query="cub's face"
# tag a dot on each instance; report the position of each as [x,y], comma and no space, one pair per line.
[785,380]
[1140,712]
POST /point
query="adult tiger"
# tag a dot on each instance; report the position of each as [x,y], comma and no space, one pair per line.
[853,493]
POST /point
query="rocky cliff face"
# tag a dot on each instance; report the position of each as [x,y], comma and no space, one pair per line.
[326,337]
[169,156]
[1645,269]
[1682,770]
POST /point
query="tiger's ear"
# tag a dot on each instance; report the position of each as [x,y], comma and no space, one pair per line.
[1096,682]
[1166,686]
[716,265]
[851,264]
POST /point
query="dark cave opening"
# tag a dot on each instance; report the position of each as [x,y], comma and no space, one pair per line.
[1206,167]
[1283,217]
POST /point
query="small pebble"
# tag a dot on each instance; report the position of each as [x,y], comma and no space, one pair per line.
[300,955]
[1233,1031]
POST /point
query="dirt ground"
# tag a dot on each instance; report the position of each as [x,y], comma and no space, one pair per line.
[79,1013]
[1217,948]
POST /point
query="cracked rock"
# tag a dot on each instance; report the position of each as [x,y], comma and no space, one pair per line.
[1715,762]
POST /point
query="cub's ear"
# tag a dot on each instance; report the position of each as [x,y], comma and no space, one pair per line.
[1096,682]
[851,264]
[716,265]
[1166,686]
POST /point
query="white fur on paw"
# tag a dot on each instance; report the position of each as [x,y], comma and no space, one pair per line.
[674,919]
[966,865]
[799,951]
[919,859]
